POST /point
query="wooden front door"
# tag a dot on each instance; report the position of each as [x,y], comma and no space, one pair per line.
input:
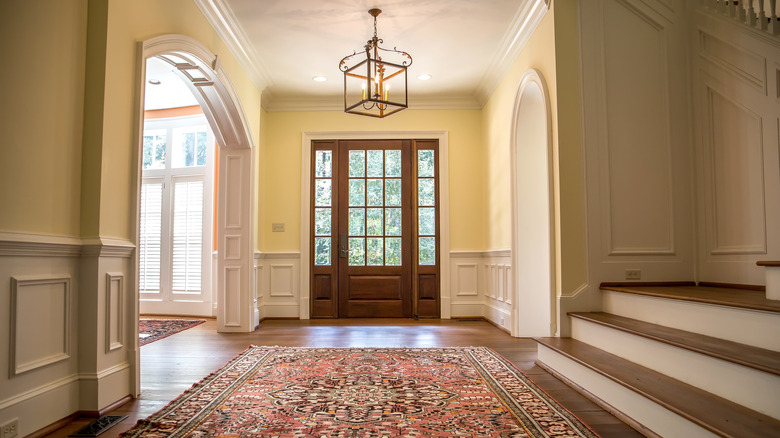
[374,251]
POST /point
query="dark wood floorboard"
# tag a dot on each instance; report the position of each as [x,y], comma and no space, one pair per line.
[172,365]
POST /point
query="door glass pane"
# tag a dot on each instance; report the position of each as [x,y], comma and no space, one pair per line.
[322,221]
[393,251]
[393,163]
[375,194]
[323,195]
[154,149]
[427,221]
[357,163]
[393,192]
[186,249]
[357,251]
[374,159]
[375,251]
[323,166]
[426,193]
[392,222]
[374,222]
[322,251]
[427,250]
[357,222]
[357,192]
[425,163]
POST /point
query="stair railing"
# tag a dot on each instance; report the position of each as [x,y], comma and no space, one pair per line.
[758,14]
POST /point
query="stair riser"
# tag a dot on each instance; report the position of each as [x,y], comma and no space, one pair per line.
[746,386]
[750,327]
[644,411]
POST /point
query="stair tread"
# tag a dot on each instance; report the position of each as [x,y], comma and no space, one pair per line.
[754,357]
[723,296]
[714,413]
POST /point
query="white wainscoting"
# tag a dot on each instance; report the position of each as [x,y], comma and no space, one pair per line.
[278,284]
[737,109]
[482,285]
[637,139]
[68,347]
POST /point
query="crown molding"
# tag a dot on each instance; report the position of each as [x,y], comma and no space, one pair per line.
[221,18]
[336,103]
[523,26]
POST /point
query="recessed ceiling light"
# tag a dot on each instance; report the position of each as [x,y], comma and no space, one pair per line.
[424,77]
[154,81]
[319,79]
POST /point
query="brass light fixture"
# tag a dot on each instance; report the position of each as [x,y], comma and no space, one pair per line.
[368,80]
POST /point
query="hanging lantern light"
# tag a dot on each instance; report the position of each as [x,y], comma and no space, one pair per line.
[375,80]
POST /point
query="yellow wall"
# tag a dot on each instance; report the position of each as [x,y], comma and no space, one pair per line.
[563,88]
[127,24]
[41,120]
[280,162]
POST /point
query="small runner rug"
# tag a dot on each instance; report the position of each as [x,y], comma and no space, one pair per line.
[150,330]
[364,392]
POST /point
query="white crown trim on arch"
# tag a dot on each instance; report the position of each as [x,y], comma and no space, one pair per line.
[534,307]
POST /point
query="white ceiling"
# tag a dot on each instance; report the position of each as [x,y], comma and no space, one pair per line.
[465,45]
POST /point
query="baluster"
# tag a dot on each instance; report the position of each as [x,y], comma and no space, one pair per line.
[722,5]
[732,8]
[762,15]
[751,13]
[774,26]
[742,10]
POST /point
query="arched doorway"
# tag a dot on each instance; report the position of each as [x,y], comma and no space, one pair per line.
[533,210]
[201,72]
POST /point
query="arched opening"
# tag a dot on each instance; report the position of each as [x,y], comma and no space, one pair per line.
[236,308]
[533,241]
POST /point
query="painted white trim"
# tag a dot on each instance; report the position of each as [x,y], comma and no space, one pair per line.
[444,201]
[42,245]
[523,26]
[535,77]
[224,22]
[40,390]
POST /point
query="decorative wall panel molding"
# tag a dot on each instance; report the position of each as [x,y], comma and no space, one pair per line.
[735,201]
[40,322]
[233,247]
[115,296]
[282,280]
[232,306]
[467,279]
[638,170]
[234,166]
[740,62]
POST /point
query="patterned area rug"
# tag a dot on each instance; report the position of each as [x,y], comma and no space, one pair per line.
[150,330]
[362,393]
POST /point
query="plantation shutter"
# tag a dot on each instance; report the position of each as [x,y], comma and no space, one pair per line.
[187,247]
[151,235]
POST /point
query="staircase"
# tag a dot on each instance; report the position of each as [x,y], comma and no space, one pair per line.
[679,360]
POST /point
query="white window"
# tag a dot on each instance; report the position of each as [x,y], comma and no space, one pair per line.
[175,243]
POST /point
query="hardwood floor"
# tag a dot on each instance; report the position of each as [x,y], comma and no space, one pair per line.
[172,365]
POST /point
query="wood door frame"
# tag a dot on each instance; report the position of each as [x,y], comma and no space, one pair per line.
[444,235]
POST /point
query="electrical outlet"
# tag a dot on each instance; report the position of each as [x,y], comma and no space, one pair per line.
[277,228]
[633,274]
[10,429]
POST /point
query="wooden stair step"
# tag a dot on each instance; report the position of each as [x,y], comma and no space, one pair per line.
[745,355]
[703,293]
[718,415]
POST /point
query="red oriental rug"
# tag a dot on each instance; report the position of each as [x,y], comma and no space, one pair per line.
[362,393]
[150,330]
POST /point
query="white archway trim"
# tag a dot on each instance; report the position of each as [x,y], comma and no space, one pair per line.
[203,75]
[444,208]
[536,280]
